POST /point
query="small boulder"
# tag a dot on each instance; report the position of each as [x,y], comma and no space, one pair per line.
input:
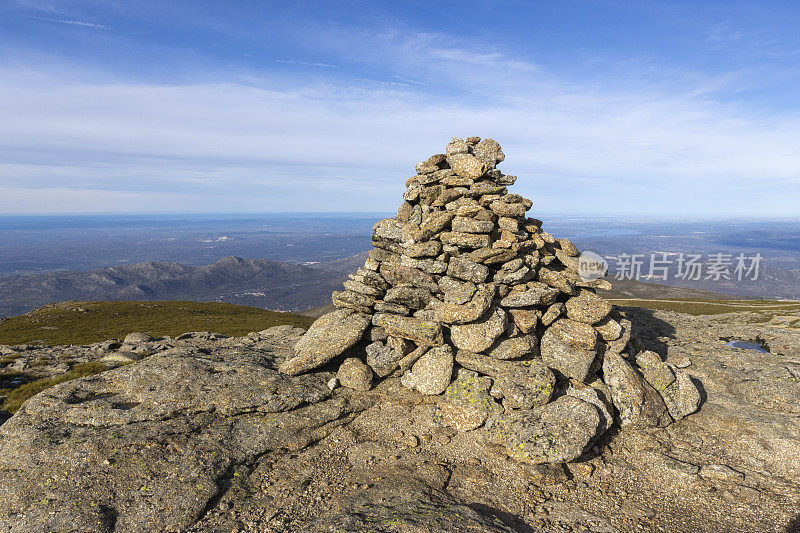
[432,372]
[136,338]
[553,433]
[480,335]
[329,336]
[467,404]
[354,374]
[638,403]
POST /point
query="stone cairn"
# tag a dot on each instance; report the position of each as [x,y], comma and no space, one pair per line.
[465,297]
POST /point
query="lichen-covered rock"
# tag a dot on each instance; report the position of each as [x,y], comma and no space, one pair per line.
[415,329]
[675,386]
[481,334]
[466,270]
[354,374]
[521,384]
[432,372]
[515,347]
[466,165]
[609,329]
[384,358]
[570,348]
[636,400]
[466,403]
[587,307]
[146,447]
[556,432]
[525,319]
[403,505]
[329,336]
[536,294]
[476,307]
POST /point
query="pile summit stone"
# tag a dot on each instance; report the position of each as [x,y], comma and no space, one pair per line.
[467,299]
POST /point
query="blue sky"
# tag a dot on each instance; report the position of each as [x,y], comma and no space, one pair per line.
[645,108]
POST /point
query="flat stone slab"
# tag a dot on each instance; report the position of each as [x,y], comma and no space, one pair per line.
[329,336]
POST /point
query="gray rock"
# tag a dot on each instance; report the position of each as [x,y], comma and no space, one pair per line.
[466,404]
[391,308]
[146,447]
[609,329]
[424,249]
[465,240]
[480,335]
[411,297]
[466,165]
[430,165]
[564,281]
[329,336]
[457,146]
[419,331]
[525,319]
[405,505]
[385,358]
[638,403]
[470,225]
[489,151]
[594,397]
[464,269]
[553,433]
[363,288]
[354,374]
[553,312]
[503,209]
[534,295]
[398,275]
[515,347]
[354,301]
[455,291]
[565,347]
[432,372]
[136,338]
[429,266]
[521,384]
[520,275]
[491,256]
[587,307]
[387,229]
[475,308]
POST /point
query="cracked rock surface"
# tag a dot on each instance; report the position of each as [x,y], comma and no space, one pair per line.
[208,436]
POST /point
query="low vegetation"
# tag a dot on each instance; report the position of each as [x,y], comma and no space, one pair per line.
[782,312]
[88,322]
[15,397]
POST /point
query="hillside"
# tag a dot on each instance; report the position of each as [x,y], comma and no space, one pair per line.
[253,282]
[89,322]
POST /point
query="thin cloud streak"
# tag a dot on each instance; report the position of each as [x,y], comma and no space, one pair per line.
[73,22]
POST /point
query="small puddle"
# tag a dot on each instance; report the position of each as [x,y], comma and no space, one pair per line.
[746,345]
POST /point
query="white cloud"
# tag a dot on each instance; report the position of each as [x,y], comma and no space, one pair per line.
[73,22]
[341,144]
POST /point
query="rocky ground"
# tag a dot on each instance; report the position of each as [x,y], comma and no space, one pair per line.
[203,434]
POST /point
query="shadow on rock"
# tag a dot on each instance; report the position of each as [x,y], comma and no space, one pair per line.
[508,519]
[648,328]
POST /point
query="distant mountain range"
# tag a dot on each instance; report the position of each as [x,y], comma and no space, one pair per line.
[255,282]
[274,285]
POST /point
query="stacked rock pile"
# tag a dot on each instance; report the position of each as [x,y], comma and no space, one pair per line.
[466,297]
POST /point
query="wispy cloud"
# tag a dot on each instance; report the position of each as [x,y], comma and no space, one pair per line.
[304,139]
[325,147]
[70,22]
[305,63]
